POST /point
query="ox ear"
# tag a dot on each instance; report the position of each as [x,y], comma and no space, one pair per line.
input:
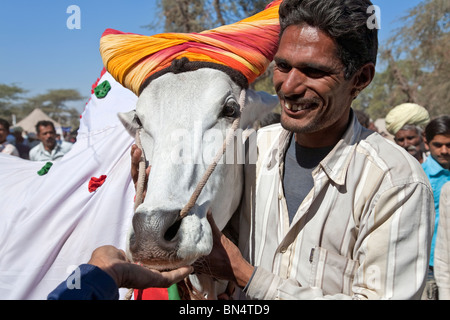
[258,104]
[128,120]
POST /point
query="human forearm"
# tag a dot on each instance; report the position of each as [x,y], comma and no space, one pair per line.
[91,283]
[243,271]
[225,260]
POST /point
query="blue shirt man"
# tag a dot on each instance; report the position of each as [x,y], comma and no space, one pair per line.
[438,176]
[437,166]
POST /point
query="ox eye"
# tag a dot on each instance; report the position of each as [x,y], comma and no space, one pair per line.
[138,121]
[230,109]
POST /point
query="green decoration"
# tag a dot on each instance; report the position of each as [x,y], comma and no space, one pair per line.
[173,292]
[102,89]
[45,169]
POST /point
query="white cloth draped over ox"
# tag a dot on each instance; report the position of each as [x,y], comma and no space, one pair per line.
[51,223]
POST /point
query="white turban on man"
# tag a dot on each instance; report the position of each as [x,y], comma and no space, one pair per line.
[406,113]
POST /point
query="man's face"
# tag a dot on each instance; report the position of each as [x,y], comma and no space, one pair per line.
[309,80]
[410,140]
[3,133]
[48,137]
[440,149]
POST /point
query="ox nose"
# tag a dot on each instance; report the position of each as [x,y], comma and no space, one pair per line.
[158,228]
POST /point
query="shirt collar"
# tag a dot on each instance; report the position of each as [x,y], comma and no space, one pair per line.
[53,151]
[336,163]
[433,167]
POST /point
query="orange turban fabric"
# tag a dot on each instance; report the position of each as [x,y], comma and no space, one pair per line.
[247,46]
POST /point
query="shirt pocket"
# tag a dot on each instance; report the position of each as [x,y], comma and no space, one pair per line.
[331,272]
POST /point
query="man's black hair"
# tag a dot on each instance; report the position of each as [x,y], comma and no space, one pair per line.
[346,21]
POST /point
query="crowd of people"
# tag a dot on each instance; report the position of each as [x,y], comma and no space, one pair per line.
[345,213]
[45,145]
[429,143]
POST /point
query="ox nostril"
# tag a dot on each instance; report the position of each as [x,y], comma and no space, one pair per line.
[172,231]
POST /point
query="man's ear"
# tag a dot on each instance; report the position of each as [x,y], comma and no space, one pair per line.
[128,120]
[363,78]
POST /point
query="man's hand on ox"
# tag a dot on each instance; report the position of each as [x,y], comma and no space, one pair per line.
[129,275]
[225,260]
[136,154]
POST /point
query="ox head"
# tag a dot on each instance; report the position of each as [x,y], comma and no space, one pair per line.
[184,118]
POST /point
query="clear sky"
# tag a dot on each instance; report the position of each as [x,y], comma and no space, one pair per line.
[39,52]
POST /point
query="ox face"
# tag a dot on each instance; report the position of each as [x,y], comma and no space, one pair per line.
[184,119]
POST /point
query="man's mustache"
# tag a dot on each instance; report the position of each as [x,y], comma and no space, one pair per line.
[299,101]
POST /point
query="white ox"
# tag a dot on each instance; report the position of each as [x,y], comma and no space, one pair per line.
[50,224]
[184,117]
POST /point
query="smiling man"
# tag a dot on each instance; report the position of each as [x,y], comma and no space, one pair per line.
[343,213]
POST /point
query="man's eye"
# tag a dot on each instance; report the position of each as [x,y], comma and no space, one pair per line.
[314,73]
[283,67]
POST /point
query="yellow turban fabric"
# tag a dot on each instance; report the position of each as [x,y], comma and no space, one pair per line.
[406,113]
[247,46]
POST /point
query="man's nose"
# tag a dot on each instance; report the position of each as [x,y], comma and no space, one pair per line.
[294,84]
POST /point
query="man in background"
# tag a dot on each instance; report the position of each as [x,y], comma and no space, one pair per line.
[406,123]
[48,149]
[437,168]
[5,146]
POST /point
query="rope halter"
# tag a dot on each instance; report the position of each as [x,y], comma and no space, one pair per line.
[190,204]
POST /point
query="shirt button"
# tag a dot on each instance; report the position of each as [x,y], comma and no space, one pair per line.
[283,250]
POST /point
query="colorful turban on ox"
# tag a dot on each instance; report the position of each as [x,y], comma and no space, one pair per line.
[247,46]
[406,113]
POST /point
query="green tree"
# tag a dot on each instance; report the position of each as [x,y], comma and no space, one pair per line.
[417,59]
[198,15]
[10,97]
[184,15]
[54,104]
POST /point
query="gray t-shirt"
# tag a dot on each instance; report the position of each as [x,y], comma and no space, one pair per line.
[297,181]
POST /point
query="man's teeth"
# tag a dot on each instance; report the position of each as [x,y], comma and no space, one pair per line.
[294,107]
